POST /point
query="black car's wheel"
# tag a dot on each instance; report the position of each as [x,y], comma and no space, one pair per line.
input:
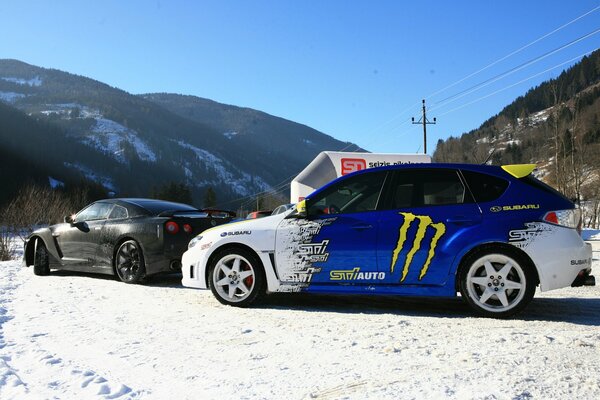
[41,261]
[129,262]
[497,283]
[236,277]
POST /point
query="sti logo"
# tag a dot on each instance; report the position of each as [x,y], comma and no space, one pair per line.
[353,164]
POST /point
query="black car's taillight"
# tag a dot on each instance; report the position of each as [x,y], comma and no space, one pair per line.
[172,227]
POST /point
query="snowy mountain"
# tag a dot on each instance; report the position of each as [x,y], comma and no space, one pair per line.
[140,142]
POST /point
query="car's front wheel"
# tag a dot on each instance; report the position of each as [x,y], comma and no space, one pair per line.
[236,277]
[497,283]
[129,262]
[41,260]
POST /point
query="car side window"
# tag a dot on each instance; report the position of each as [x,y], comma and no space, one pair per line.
[94,212]
[118,212]
[485,187]
[358,193]
[418,188]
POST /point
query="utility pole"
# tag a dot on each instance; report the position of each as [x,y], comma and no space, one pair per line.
[423,120]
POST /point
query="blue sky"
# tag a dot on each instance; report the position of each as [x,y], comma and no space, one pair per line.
[356,70]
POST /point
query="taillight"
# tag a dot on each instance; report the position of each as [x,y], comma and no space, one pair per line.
[172,227]
[567,218]
[187,228]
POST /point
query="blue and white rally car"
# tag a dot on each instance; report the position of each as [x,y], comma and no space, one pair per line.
[491,233]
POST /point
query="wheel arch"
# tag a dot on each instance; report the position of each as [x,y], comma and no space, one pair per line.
[118,243]
[29,252]
[231,246]
[490,246]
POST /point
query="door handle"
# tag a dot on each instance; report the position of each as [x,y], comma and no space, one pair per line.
[361,227]
[461,220]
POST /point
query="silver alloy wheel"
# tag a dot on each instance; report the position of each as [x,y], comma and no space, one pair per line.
[234,278]
[496,283]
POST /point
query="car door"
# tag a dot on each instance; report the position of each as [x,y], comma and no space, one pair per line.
[79,240]
[430,216]
[337,242]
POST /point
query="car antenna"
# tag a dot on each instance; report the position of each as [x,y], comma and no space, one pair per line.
[489,156]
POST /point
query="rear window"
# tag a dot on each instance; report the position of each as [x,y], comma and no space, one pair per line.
[536,183]
[485,187]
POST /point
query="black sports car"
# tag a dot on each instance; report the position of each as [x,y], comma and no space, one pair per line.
[130,238]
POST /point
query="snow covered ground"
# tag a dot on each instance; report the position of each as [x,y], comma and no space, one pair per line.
[80,336]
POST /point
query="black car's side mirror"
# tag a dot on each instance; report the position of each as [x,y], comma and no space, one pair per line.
[69,219]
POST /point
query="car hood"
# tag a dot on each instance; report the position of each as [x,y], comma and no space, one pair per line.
[246,227]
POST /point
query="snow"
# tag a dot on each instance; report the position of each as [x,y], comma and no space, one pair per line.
[91,175]
[224,172]
[230,135]
[11,97]
[36,81]
[71,335]
[108,136]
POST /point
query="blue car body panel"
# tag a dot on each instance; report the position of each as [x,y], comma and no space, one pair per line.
[417,251]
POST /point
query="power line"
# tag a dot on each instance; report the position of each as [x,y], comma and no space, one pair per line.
[511,71]
[514,52]
[413,105]
[518,83]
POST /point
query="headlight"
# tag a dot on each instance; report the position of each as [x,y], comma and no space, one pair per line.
[194,241]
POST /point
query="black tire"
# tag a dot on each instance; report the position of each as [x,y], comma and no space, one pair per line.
[236,277]
[489,293]
[41,259]
[129,262]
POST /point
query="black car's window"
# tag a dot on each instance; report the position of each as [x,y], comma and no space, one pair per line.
[118,212]
[94,212]
[355,194]
[485,187]
[418,188]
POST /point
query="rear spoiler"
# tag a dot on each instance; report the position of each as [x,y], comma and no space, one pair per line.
[519,170]
[204,213]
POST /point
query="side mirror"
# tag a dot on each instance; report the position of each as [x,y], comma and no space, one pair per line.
[300,212]
[69,219]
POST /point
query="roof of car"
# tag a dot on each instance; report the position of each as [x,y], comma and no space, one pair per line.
[154,206]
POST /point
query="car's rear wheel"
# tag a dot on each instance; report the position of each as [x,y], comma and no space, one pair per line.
[236,277]
[41,259]
[497,283]
[129,262]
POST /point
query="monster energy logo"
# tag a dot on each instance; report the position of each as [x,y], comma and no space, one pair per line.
[424,222]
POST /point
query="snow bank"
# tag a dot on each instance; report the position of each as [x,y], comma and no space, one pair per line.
[224,172]
[91,175]
[35,81]
[72,335]
[11,97]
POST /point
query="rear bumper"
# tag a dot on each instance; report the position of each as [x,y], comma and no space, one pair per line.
[559,257]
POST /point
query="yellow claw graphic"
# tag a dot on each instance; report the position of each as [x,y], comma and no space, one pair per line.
[408,218]
[440,229]
[424,222]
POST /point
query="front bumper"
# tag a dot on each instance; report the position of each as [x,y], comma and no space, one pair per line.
[193,268]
